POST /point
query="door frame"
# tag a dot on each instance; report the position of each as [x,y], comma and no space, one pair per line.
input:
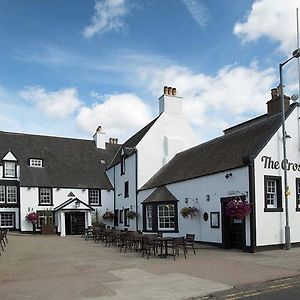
[226,233]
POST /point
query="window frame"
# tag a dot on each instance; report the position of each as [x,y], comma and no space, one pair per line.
[155,217]
[126,220]
[51,197]
[297,193]
[32,165]
[149,217]
[13,219]
[278,182]
[165,219]
[99,197]
[7,194]
[123,165]
[6,185]
[126,189]
[121,216]
[4,168]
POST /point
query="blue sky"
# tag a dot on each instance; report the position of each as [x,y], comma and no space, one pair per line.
[69,66]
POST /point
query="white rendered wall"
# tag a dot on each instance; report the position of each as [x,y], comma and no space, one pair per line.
[196,190]
[130,176]
[29,200]
[152,148]
[270,225]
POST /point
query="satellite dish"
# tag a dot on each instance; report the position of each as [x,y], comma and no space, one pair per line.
[295,97]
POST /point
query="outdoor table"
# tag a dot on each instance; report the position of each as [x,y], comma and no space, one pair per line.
[164,241]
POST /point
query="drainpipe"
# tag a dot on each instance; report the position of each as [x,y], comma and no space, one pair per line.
[136,191]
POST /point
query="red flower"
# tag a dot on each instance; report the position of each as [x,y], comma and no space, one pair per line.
[32,217]
[237,209]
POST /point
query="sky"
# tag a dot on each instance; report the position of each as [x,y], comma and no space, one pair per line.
[67,67]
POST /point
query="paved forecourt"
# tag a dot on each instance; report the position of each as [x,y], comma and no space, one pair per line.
[53,267]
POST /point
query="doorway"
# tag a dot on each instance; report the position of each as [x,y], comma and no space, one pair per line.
[75,222]
[232,229]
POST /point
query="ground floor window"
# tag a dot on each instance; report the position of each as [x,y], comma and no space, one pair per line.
[121,216]
[160,217]
[7,220]
[166,216]
[126,220]
[298,193]
[273,193]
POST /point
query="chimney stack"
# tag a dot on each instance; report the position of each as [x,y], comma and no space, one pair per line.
[99,138]
[113,140]
[274,105]
[169,102]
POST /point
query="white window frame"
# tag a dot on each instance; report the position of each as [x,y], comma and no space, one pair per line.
[35,162]
[45,196]
[149,218]
[9,172]
[11,194]
[272,193]
[94,197]
[164,217]
[2,194]
[8,219]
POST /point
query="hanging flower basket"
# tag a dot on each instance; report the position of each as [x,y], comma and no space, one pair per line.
[237,209]
[189,211]
[32,217]
[131,215]
[108,215]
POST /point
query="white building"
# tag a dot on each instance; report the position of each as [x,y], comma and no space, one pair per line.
[245,163]
[141,156]
[43,174]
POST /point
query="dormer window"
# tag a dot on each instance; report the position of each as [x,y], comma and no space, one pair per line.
[122,165]
[35,162]
[10,169]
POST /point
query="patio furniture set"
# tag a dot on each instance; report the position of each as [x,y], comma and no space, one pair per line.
[145,243]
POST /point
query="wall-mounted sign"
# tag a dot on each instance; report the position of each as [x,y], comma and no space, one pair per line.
[269,163]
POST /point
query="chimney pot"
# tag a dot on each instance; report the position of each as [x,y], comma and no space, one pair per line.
[274,93]
[174,91]
[165,90]
[169,90]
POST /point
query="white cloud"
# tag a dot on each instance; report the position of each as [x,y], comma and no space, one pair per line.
[214,102]
[109,16]
[273,19]
[198,11]
[58,104]
[118,114]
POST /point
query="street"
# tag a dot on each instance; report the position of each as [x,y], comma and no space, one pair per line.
[287,288]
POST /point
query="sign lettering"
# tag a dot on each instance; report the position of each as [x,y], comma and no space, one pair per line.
[269,163]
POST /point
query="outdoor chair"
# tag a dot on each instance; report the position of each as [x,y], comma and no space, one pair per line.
[177,244]
[189,242]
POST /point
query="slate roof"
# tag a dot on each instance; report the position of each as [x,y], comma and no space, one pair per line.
[159,195]
[229,151]
[71,200]
[131,143]
[68,163]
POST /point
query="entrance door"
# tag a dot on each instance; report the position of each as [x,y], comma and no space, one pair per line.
[232,229]
[75,222]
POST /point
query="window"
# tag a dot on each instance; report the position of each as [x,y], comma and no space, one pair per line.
[126,189]
[9,169]
[273,194]
[35,162]
[44,217]
[7,220]
[121,217]
[297,194]
[45,196]
[95,197]
[126,220]
[2,194]
[8,194]
[122,165]
[116,221]
[11,194]
[166,217]
[149,217]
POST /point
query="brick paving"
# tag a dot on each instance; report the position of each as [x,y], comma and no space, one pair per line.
[53,267]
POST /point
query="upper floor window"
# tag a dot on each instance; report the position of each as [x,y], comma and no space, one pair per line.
[126,189]
[94,197]
[273,194]
[45,196]
[122,165]
[8,194]
[35,162]
[10,169]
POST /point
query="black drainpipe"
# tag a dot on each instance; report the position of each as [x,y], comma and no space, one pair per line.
[136,191]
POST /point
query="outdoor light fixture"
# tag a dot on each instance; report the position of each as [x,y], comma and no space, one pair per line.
[77,203]
[228,175]
[295,54]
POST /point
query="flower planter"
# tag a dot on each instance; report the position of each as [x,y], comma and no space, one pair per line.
[48,229]
[237,209]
